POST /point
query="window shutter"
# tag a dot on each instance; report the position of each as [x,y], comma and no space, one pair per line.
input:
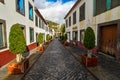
[108,4]
[94,7]
[115,3]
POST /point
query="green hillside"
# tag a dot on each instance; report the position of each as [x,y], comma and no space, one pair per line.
[51,23]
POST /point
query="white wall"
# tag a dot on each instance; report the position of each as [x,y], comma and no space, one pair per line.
[90,20]
[11,16]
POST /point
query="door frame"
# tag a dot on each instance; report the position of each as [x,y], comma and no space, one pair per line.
[116,22]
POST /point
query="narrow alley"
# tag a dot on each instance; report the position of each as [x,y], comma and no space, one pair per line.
[57,63]
[59,39]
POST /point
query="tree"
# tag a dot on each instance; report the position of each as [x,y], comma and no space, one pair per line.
[62,29]
[17,42]
[40,38]
[89,39]
[40,41]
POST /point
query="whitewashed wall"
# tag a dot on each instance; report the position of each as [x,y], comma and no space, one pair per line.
[90,20]
[11,16]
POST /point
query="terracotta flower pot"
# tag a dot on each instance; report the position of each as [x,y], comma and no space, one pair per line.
[62,41]
[65,43]
[18,68]
[15,68]
[89,62]
[40,48]
[47,42]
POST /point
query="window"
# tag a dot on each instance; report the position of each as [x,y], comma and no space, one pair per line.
[69,37]
[39,23]
[20,7]
[82,35]
[99,6]
[115,3]
[31,35]
[66,23]
[2,35]
[36,39]
[36,20]
[74,17]
[43,25]
[82,12]
[94,8]
[108,4]
[69,21]
[2,1]
[75,36]
[30,12]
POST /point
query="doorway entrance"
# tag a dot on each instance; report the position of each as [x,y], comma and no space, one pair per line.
[109,39]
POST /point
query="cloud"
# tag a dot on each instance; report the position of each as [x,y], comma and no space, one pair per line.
[54,11]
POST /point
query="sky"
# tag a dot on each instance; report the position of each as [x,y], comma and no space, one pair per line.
[54,10]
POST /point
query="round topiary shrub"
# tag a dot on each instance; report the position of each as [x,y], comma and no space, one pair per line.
[17,42]
[47,37]
[89,39]
[40,38]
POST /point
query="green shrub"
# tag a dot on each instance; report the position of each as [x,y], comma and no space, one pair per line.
[17,42]
[62,37]
[65,37]
[47,37]
[40,38]
[89,39]
[50,37]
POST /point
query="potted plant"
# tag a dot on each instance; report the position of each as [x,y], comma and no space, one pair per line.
[50,38]
[17,45]
[47,38]
[65,39]
[89,42]
[40,41]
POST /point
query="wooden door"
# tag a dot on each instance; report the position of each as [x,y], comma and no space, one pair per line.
[109,39]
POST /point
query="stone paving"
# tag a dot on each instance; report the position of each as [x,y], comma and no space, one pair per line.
[4,75]
[107,69]
[111,65]
[58,64]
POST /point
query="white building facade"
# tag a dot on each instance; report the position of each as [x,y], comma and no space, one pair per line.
[24,13]
[103,16]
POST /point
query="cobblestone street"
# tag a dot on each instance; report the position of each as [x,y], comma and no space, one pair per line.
[57,63]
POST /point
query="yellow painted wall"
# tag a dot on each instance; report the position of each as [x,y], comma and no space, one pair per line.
[82,23]
[119,12]
[110,15]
